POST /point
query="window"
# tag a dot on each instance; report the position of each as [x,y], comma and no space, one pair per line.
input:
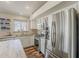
[20,25]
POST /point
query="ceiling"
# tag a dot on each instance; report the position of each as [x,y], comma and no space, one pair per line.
[23,8]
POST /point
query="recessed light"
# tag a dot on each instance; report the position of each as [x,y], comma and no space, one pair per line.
[21,13]
[8,2]
[27,7]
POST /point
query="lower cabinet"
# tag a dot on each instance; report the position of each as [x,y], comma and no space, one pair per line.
[42,43]
[26,41]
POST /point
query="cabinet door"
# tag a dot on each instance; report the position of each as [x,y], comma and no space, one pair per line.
[27,41]
[42,43]
[33,24]
[24,41]
[31,40]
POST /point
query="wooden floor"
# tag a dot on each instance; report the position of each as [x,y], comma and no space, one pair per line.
[31,52]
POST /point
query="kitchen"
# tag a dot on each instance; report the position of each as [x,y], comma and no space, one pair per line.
[45,29]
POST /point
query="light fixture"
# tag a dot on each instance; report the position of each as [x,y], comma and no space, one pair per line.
[21,13]
[27,7]
[7,2]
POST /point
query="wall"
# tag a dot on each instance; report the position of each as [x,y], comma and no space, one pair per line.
[11,17]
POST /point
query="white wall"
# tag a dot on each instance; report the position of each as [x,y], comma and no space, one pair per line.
[11,17]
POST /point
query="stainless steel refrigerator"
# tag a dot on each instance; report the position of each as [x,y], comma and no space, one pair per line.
[64,34]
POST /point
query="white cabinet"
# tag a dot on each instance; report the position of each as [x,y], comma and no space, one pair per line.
[42,45]
[26,40]
[33,24]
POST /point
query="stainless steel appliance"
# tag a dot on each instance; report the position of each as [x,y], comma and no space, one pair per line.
[63,34]
[58,35]
[44,31]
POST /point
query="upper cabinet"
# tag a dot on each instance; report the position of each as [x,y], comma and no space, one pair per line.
[33,24]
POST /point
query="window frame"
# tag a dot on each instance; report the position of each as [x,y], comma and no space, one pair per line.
[21,25]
